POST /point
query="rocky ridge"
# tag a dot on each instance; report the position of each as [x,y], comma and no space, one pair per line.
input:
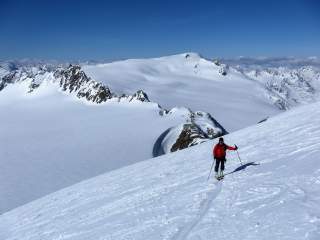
[71,79]
[199,127]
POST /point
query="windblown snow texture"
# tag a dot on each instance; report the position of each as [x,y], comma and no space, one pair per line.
[169,197]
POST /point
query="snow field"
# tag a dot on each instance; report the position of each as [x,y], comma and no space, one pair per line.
[169,197]
[50,141]
[193,82]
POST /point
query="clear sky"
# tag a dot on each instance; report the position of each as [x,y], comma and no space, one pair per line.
[102,30]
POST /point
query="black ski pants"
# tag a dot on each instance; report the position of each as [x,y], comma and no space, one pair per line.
[219,162]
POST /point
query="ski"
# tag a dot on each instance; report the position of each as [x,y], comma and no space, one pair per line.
[219,178]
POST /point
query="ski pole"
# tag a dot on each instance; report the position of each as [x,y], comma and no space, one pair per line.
[239,157]
[210,170]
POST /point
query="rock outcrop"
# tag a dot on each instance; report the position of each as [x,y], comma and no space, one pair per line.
[198,128]
[74,80]
[70,79]
[190,135]
[7,79]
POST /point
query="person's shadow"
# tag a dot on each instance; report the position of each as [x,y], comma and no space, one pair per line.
[242,167]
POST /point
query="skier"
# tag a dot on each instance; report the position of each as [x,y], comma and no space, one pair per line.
[219,154]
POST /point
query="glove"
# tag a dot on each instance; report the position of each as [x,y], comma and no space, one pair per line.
[236,147]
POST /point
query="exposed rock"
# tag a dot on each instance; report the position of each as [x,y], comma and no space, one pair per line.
[34,75]
[198,128]
[140,96]
[163,111]
[33,86]
[95,92]
[223,70]
[7,79]
[216,62]
[73,79]
[211,127]
[190,135]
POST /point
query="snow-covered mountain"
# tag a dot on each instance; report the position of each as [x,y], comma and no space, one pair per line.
[62,123]
[289,81]
[199,128]
[237,93]
[60,127]
[274,195]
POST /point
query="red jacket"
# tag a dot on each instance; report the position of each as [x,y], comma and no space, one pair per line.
[219,150]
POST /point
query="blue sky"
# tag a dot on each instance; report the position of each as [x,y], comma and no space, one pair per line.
[102,30]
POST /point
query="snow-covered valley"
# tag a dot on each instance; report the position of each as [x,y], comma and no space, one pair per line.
[61,132]
[62,124]
[52,141]
[275,195]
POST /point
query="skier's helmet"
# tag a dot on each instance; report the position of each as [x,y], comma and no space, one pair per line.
[221,140]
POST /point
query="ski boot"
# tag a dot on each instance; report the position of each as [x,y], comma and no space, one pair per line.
[221,176]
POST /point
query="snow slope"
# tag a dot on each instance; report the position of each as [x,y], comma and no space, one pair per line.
[192,81]
[169,197]
[61,127]
[50,140]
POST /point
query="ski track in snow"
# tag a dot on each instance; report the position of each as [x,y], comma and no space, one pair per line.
[168,198]
[205,205]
